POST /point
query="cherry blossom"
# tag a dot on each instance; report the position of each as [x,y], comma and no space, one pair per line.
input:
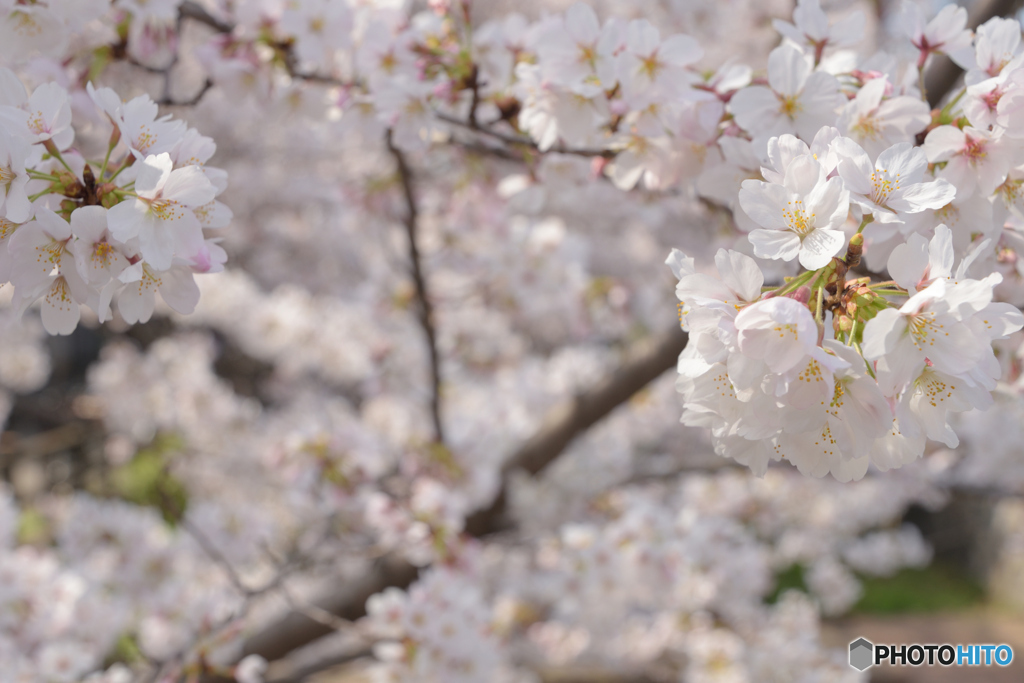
[801,217]
[797,99]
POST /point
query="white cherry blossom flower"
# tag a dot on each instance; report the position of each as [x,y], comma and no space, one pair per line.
[876,123]
[652,70]
[578,50]
[797,99]
[811,30]
[924,328]
[161,215]
[783,149]
[319,28]
[894,185]
[919,262]
[97,256]
[996,44]
[779,331]
[975,159]
[30,29]
[837,436]
[137,298]
[933,394]
[801,218]
[945,33]
[144,133]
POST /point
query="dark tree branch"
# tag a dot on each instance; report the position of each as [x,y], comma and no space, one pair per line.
[644,363]
[166,100]
[424,307]
[196,12]
[283,672]
[297,629]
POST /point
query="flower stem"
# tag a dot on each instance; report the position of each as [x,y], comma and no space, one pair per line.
[800,279]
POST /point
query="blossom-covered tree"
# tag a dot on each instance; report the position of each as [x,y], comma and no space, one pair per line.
[411,391]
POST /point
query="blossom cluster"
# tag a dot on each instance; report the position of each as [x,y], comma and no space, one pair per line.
[823,142]
[551,164]
[835,372]
[76,231]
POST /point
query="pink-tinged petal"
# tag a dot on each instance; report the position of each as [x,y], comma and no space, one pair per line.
[755,108]
[991,175]
[135,303]
[845,470]
[943,143]
[152,174]
[1000,319]
[940,252]
[680,50]
[17,207]
[803,175]
[916,198]
[12,90]
[813,22]
[88,223]
[52,224]
[157,243]
[819,246]
[855,167]
[788,69]
[782,149]
[765,203]
[107,100]
[775,244]
[821,94]
[870,96]
[908,262]
[642,38]
[829,203]
[780,331]
[741,273]
[189,186]
[582,23]
[882,332]
[60,312]
[125,219]
[903,159]
[951,346]
[178,288]
[907,114]
[788,30]
[702,289]
[681,264]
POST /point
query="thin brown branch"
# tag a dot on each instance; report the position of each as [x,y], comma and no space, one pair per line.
[166,100]
[522,141]
[217,557]
[424,307]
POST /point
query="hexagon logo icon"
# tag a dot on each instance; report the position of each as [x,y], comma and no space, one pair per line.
[861,654]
